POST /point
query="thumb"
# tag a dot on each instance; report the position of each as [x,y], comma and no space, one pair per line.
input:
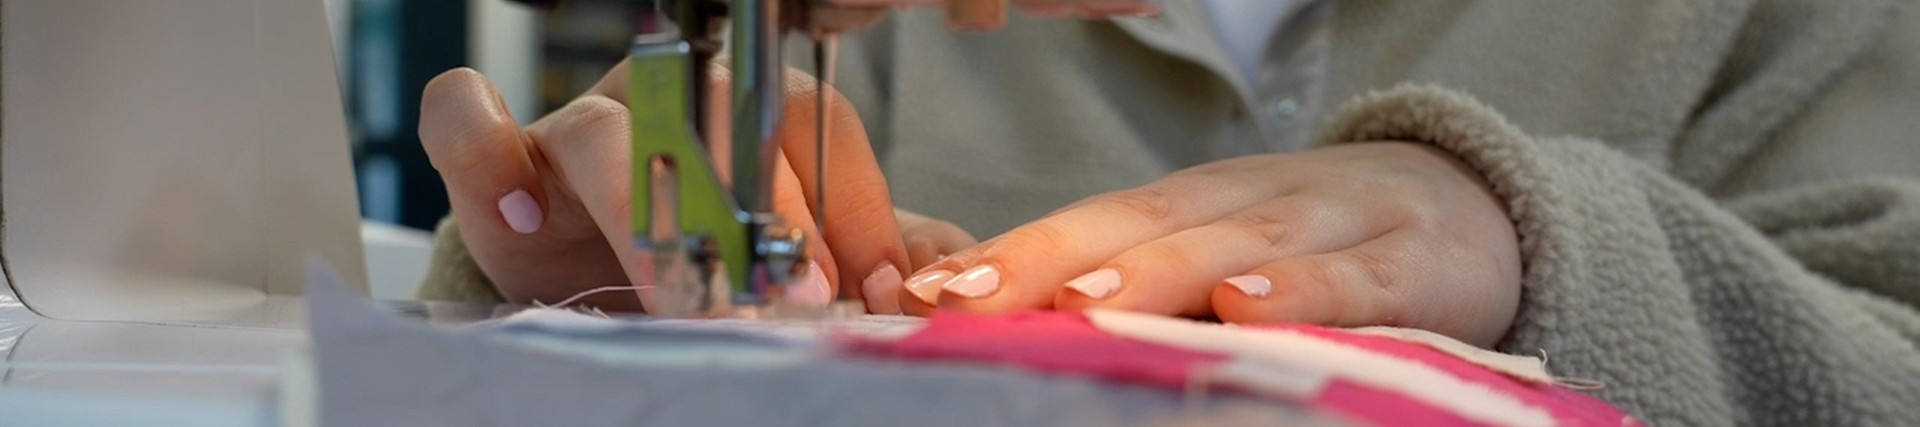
[473,141]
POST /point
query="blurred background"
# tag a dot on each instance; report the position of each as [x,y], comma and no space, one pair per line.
[387,50]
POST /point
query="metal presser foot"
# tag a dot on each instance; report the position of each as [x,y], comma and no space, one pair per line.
[718,250]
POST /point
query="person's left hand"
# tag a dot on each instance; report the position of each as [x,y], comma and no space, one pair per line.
[1394,233]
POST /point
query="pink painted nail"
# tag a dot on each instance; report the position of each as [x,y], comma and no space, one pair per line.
[926,286]
[1256,286]
[812,290]
[1099,284]
[882,278]
[521,212]
[976,282]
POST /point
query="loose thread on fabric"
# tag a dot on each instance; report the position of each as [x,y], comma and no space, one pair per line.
[591,311]
[590,292]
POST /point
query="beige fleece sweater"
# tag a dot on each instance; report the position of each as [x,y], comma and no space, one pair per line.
[1717,199]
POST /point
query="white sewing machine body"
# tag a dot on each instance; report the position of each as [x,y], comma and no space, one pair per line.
[168,167]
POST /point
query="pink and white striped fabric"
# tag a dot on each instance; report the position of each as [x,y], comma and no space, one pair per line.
[1369,377]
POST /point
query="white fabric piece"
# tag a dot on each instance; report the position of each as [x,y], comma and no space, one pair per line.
[1268,380]
[1529,369]
[1291,350]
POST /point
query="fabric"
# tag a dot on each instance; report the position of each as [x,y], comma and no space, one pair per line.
[1718,210]
[373,369]
[1045,342]
[1160,351]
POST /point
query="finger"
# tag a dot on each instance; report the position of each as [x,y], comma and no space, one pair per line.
[860,227]
[1176,275]
[475,144]
[499,197]
[1109,8]
[1024,268]
[1046,8]
[790,204]
[976,15]
[928,241]
[587,145]
[1359,286]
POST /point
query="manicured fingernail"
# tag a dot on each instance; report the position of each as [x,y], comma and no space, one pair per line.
[976,282]
[926,286]
[1253,285]
[522,213]
[882,278]
[812,289]
[1098,284]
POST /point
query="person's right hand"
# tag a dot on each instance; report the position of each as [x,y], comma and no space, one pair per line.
[545,210]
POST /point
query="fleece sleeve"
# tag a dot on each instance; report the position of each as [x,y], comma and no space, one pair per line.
[1785,308]
[452,275]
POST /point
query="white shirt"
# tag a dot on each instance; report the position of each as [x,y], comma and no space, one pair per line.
[1245,28]
[1277,50]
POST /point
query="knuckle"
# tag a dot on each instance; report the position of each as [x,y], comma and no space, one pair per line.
[463,152]
[594,113]
[618,206]
[1363,286]
[1364,268]
[1149,204]
[1039,237]
[865,229]
[1271,229]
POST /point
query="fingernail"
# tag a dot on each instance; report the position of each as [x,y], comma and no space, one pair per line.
[1253,285]
[1098,284]
[926,286]
[522,213]
[976,282]
[882,278]
[812,290]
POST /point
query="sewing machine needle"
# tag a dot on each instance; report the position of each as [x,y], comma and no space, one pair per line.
[825,51]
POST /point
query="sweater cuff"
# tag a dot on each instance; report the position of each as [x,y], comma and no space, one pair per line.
[452,274]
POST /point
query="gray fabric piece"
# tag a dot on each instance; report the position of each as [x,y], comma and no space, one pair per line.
[377,370]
